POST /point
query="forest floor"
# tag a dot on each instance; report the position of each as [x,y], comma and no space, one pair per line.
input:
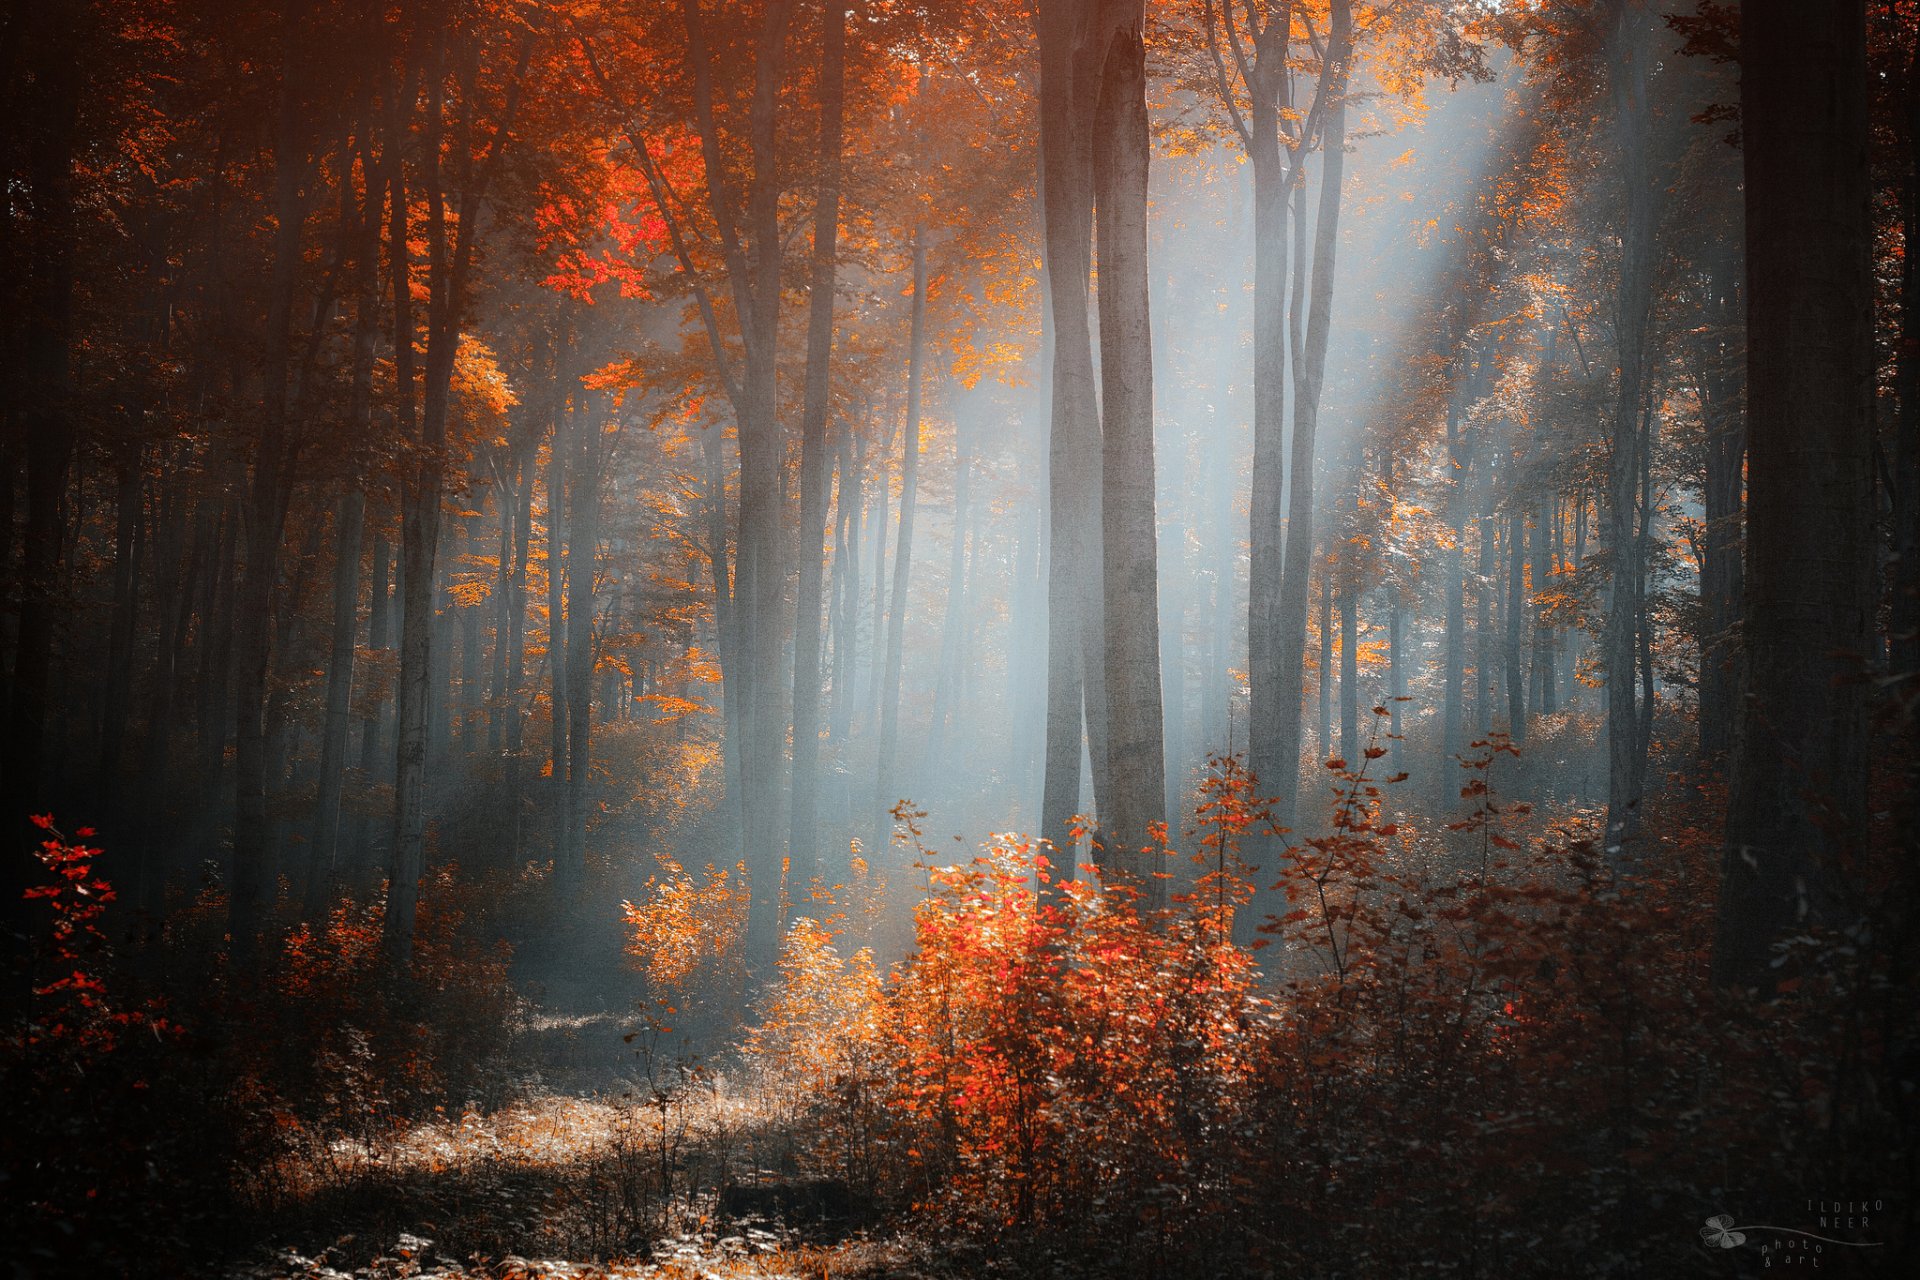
[676,1172]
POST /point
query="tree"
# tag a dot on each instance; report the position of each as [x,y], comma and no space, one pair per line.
[1798,785]
[1136,757]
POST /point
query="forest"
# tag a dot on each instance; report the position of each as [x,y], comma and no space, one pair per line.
[914,639]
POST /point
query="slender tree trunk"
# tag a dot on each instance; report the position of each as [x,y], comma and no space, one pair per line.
[1634,297]
[803,832]
[946,684]
[1076,698]
[1516,611]
[903,546]
[268,493]
[1308,378]
[419,505]
[1350,745]
[1720,569]
[583,534]
[379,638]
[1798,796]
[323,857]
[846,567]
[1486,582]
[1323,726]
[117,690]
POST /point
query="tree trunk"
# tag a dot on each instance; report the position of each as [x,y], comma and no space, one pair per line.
[583,534]
[1350,745]
[903,545]
[1308,377]
[1798,797]
[1720,570]
[1516,611]
[803,831]
[268,493]
[1076,700]
[1134,816]
[1633,301]
[117,690]
[349,522]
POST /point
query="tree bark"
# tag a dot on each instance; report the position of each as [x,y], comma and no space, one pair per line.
[903,544]
[1076,700]
[1308,377]
[1633,302]
[1798,795]
[1134,816]
[803,832]
[349,523]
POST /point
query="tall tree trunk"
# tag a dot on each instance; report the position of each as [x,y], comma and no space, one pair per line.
[946,683]
[1453,560]
[1308,378]
[1076,699]
[1135,800]
[803,832]
[1323,726]
[1720,569]
[419,503]
[753,265]
[851,504]
[117,690]
[349,522]
[1633,302]
[583,534]
[1904,620]
[48,428]
[559,462]
[903,545]
[1798,795]
[1516,611]
[1349,670]
[265,509]
[1486,583]
[1266,675]
[373,718]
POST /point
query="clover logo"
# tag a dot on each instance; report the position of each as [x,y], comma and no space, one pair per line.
[1720,1233]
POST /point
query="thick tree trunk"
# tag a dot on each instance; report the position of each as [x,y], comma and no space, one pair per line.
[754,268]
[803,832]
[1798,797]
[49,429]
[1134,812]
[1904,620]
